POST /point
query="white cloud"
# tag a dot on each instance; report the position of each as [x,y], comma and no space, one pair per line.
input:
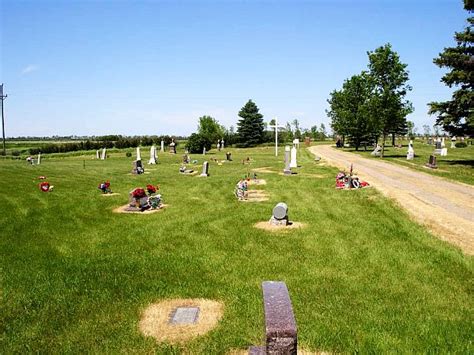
[29,69]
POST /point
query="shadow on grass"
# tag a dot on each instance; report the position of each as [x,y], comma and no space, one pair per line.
[460,162]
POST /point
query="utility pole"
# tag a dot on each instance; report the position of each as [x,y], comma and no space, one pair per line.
[3,97]
[276,126]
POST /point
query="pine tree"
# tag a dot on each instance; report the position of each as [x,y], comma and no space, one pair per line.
[250,128]
[457,115]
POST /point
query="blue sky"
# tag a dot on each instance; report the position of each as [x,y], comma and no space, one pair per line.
[154,67]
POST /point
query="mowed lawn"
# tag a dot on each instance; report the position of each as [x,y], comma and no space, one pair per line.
[458,165]
[75,276]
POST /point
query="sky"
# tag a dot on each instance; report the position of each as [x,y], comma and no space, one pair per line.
[154,67]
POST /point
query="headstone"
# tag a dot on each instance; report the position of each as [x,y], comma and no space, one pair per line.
[281,336]
[104,154]
[204,151]
[97,155]
[205,169]
[279,215]
[137,167]
[173,147]
[430,140]
[228,156]
[296,143]
[139,156]
[432,162]
[376,151]
[438,143]
[219,146]
[444,152]
[186,159]
[287,169]
[184,315]
[39,159]
[222,143]
[453,142]
[152,160]
[411,151]
[443,144]
[307,141]
[293,163]
[162,146]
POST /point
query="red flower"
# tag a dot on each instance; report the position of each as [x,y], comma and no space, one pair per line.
[138,193]
[151,189]
[107,184]
[44,186]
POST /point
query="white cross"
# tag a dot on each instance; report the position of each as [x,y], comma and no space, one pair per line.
[276,126]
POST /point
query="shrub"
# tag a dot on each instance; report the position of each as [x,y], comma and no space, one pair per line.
[128,154]
[16,153]
[197,142]
[461,145]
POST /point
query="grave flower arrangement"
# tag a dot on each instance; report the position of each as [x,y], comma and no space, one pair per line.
[45,186]
[138,193]
[348,181]
[151,189]
[105,187]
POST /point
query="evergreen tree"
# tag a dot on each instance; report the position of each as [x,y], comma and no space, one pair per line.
[250,128]
[457,115]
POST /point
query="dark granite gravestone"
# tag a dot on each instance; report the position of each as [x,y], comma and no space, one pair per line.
[184,315]
[280,324]
[432,162]
[137,167]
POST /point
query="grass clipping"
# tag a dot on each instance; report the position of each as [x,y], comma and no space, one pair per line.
[155,320]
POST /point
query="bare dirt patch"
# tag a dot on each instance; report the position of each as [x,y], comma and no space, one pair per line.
[256,196]
[155,320]
[121,209]
[112,194]
[257,182]
[272,228]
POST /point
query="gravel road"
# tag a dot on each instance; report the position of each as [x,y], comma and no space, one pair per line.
[445,207]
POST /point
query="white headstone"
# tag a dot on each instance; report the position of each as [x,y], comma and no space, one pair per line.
[442,143]
[139,157]
[97,155]
[205,169]
[104,154]
[293,163]
[162,146]
[296,143]
[39,159]
[376,152]
[204,151]
[444,152]
[411,151]
[152,160]
[222,143]
[287,170]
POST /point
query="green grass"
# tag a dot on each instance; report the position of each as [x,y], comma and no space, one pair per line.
[362,276]
[458,165]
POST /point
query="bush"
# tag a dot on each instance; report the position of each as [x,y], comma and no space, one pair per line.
[128,154]
[461,145]
[197,142]
[16,153]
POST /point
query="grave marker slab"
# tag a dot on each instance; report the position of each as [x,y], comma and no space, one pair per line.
[184,315]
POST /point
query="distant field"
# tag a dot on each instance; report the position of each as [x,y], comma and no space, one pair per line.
[457,165]
[362,276]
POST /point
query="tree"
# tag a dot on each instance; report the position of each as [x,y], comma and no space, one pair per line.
[197,142]
[456,116]
[388,103]
[250,128]
[210,129]
[322,131]
[350,111]
[297,132]
[426,130]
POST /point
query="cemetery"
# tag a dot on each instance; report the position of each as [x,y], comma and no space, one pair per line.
[320,221]
[168,262]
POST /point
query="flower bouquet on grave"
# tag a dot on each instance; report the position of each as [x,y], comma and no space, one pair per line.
[152,189]
[139,195]
[105,187]
[154,201]
[45,186]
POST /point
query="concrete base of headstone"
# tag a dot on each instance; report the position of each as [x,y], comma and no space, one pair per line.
[179,320]
[128,209]
[255,196]
[111,194]
[256,182]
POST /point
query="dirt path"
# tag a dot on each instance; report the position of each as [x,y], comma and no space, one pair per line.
[445,207]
